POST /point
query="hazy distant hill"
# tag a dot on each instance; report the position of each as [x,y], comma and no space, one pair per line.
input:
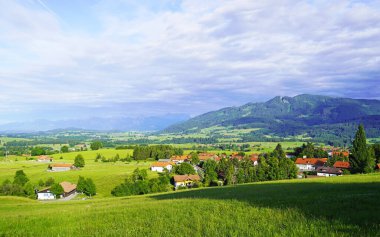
[319,117]
[98,124]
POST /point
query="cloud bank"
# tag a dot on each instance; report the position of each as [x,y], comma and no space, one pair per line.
[143,58]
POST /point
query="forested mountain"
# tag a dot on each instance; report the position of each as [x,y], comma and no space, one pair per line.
[319,117]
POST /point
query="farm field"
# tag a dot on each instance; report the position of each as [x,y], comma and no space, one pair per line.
[105,175]
[340,206]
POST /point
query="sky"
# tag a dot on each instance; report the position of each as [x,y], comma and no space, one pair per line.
[114,58]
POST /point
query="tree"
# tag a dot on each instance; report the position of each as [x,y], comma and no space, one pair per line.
[90,188]
[211,176]
[20,178]
[64,149]
[279,152]
[96,145]
[194,158]
[361,160]
[376,149]
[79,161]
[37,151]
[184,168]
[139,174]
[81,185]
[49,182]
[56,189]
[86,186]
[29,190]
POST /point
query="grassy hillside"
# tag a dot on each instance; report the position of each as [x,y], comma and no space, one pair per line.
[105,175]
[341,206]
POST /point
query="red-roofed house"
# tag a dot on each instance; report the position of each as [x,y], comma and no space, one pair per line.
[205,156]
[179,159]
[341,153]
[159,166]
[342,164]
[310,164]
[254,158]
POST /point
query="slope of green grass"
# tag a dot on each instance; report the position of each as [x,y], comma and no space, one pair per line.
[105,175]
[341,206]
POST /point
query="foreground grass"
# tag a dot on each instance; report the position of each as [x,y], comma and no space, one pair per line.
[341,206]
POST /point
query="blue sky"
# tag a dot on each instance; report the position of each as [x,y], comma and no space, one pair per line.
[77,59]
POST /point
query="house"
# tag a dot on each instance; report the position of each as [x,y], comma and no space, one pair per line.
[185,180]
[328,171]
[340,153]
[179,159]
[68,188]
[310,164]
[342,165]
[61,167]
[237,156]
[254,158]
[44,159]
[45,194]
[206,156]
[160,166]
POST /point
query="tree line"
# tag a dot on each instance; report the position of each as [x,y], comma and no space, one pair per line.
[155,152]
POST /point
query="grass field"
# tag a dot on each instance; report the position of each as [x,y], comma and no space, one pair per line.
[105,175]
[341,206]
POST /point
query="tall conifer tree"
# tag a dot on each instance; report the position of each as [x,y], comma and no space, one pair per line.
[362,160]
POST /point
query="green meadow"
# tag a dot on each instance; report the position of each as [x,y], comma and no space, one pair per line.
[106,175]
[339,206]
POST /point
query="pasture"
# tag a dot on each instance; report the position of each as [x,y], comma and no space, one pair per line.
[340,206]
[106,175]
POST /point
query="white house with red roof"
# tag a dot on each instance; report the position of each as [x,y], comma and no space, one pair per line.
[160,166]
[310,164]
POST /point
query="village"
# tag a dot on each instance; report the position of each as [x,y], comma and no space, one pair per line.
[307,167]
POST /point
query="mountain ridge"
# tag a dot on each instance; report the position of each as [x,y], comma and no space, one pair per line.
[300,113]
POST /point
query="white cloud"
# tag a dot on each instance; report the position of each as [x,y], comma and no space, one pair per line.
[155,54]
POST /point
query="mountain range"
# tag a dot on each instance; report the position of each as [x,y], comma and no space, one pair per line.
[319,117]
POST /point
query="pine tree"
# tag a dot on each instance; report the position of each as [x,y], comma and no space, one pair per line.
[362,160]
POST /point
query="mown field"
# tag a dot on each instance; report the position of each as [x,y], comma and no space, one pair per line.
[105,175]
[341,206]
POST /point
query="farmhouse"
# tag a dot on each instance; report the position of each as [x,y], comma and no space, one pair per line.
[185,180]
[206,156]
[328,171]
[340,153]
[255,159]
[237,156]
[179,159]
[310,164]
[342,165]
[61,167]
[44,159]
[68,188]
[45,194]
[160,166]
